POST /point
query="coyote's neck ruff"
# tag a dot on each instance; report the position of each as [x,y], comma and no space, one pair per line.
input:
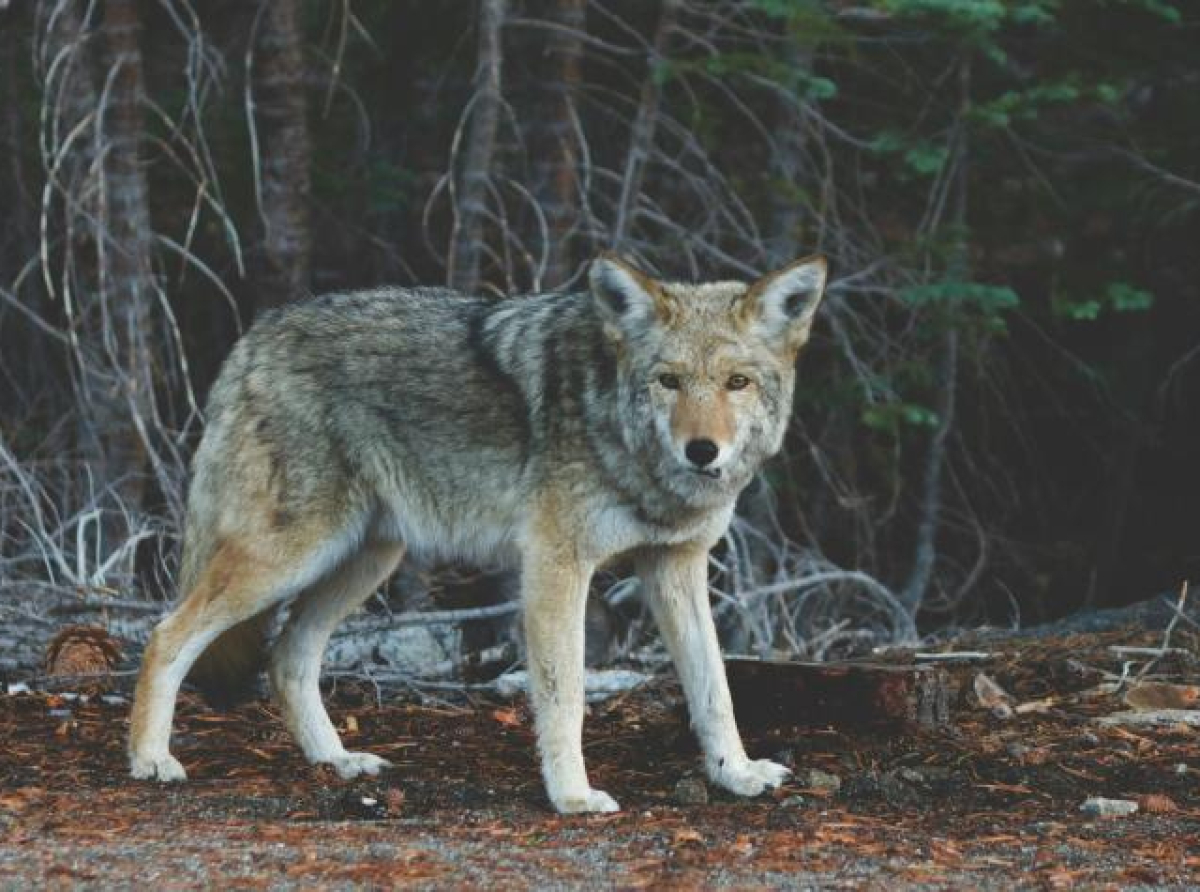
[552,432]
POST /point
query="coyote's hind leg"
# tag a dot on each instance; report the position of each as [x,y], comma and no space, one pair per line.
[236,584]
[173,648]
[295,663]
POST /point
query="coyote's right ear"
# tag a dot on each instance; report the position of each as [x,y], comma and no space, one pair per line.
[627,297]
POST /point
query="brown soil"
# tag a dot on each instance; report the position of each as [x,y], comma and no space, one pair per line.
[987,803]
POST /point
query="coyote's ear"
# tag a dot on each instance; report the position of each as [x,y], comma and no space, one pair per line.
[785,301]
[626,296]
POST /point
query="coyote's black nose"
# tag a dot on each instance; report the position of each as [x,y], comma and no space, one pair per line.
[701,452]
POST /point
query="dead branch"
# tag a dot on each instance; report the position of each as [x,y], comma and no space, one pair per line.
[645,123]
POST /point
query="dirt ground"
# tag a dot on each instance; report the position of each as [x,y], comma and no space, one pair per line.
[985,803]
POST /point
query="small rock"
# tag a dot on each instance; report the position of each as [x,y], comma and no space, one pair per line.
[356,805]
[1017,750]
[862,786]
[928,774]
[889,786]
[793,802]
[896,791]
[924,775]
[816,779]
[1181,768]
[1100,807]
[1087,738]
[691,791]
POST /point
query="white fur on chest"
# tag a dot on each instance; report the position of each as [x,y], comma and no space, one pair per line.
[610,530]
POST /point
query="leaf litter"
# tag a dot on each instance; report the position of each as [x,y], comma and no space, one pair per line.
[986,802]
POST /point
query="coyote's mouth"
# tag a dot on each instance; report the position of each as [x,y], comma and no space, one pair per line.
[711,473]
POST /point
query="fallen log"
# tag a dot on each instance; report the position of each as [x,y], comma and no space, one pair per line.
[1154,614]
[786,694]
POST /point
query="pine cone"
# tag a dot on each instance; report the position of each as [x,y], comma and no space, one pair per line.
[82,650]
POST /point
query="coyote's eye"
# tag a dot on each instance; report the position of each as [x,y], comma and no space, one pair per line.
[671,382]
[737,382]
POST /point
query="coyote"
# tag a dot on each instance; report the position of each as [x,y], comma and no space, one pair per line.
[551,433]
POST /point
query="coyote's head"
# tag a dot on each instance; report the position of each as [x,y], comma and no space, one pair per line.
[706,371]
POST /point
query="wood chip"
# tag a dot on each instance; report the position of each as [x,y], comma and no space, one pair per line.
[1157,804]
[993,697]
[1149,696]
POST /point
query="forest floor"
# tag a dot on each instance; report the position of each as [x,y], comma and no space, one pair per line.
[984,803]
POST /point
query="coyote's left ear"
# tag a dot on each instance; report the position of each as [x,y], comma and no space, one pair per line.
[784,302]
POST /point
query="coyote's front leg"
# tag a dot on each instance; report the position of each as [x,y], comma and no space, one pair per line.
[676,583]
[554,589]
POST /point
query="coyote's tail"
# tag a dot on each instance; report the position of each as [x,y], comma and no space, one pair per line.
[227,670]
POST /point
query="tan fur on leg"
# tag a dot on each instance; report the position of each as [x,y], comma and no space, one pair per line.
[235,585]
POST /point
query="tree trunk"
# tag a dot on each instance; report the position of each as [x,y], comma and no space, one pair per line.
[277,86]
[946,380]
[123,412]
[470,208]
[121,385]
[94,98]
[554,136]
[645,125]
[17,241]
[925,553]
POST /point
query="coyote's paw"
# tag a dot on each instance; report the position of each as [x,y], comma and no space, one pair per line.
[746,777]
[352,765]
[584,803]
[162,768]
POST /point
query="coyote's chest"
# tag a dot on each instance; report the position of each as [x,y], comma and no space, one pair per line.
[613,530]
